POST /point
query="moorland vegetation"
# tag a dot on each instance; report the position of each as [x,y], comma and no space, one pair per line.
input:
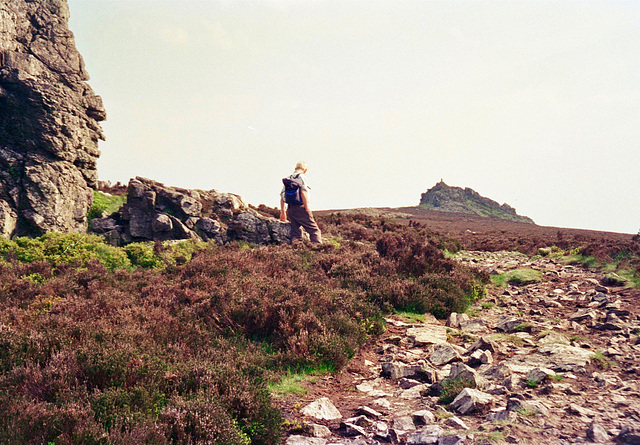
[179,342]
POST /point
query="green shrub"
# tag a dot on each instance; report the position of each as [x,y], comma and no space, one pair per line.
[143,255]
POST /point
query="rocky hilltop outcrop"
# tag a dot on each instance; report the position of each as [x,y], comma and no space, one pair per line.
[49,118]
[456,199]
[155,212]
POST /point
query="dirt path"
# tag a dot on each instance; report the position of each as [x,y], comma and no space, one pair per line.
[555,361]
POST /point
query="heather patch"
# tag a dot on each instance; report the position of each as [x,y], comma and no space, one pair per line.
[184,343]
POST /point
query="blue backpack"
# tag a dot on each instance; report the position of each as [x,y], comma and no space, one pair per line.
[292,187]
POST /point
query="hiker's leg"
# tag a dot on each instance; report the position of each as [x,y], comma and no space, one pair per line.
[292,214]
[311,226]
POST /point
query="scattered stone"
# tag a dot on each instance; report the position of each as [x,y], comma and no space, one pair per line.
[538,375]
[554,338]
[486,344]
[509,324]
[501,414]
[319,430]
[456,422]
[627,436]
[460,371]
[479,357]
[597,434]
[443,353]
[474,326]
[455,320]
[371,413]
[452,439]
[613,279]
[397,370]
[351,429]
[303,440]
[423,417]
[427,335]
[580,411]
[322,409]
[426,435]
[471,400]
[404,423]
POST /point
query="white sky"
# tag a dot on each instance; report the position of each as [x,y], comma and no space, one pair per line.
[536,104]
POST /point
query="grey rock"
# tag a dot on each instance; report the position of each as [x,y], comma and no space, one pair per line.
[471,400]
[501,414]
[427,335]
[423,417]
[426,435]
[303,440]
[103,225]
[456,422]
[322,409]
[155,212]
[404,423]
[162,223]
[613,279]
[319,430]
[455,320]
[460,371]
[474,326]
[397,370]
[538,375]
[485,344]
[443,353]
[369,412]
[452,439]
[351,429]
[49,122]
[509,324]
[597,433]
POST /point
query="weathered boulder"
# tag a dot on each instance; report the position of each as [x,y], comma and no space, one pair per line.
[49,128]
[322,409]
[471,400]
[155,212]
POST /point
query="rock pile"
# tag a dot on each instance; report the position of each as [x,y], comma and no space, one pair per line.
[551,365]
[49,118]
[155,212]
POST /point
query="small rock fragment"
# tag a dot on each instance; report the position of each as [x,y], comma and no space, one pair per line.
[597,433]
[322,409]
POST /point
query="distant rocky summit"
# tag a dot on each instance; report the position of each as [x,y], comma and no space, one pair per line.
[49,118]
[456,199]
[155,212]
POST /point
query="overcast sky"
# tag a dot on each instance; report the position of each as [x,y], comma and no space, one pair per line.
[536,104]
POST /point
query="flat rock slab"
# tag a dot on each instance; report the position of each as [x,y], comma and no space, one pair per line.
[428,334]
[322,409]
[303,440]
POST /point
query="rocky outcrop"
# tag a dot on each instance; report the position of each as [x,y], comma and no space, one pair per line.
[155,212]
[455,199]
[49,118]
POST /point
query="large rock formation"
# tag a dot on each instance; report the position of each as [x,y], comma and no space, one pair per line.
[49,118]
[155,212]
[455,199]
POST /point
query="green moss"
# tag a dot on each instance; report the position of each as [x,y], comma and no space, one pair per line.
[517,277]
[105,204]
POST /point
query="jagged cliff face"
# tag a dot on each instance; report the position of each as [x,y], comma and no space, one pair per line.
[49,118]
[455,199]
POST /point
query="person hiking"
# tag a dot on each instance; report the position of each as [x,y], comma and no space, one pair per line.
[294,205]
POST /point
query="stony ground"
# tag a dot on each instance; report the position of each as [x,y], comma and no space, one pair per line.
[554,361]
